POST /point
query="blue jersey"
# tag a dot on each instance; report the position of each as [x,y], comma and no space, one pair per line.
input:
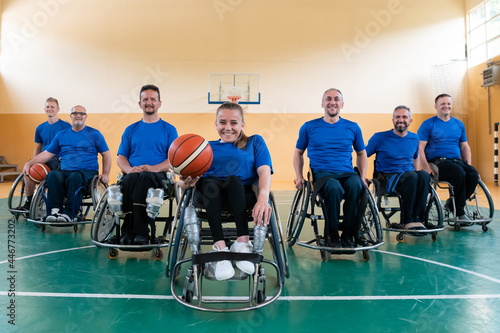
[78,150]
[46,132]
[329,146]
[147,143]
[229,160]
[443,137]
[394,153]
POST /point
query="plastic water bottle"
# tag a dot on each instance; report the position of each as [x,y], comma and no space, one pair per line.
[192,227]
[154,200]
[259,238]
[115,200]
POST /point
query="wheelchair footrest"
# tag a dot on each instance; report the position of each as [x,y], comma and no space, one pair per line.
[203,258]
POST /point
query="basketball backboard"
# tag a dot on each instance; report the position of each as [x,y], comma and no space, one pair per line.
[241,88]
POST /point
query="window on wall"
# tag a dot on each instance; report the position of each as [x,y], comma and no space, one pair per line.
[483,32]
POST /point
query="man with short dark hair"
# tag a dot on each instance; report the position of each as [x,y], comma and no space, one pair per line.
[143,157]
[443,142]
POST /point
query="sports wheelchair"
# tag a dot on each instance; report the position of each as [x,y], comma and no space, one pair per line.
[192,292]
[303,207]
[89,193]
[390,204]
[106,225]
[478,207]
[17,197]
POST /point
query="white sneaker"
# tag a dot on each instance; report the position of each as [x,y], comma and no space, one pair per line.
[65,218]
[223,269]
[464,218]
[54,213]
[241,247]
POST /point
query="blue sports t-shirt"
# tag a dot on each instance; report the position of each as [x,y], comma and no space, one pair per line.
[229,160]
[147,143]
[78,150]
[443,137]
[394,153]
[329,146]
[46,132]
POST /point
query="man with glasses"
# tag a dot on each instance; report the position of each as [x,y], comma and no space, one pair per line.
[78,148]
[44,135]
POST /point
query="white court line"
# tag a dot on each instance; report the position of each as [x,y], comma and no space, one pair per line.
[441,264]
[282,298]
[50,252]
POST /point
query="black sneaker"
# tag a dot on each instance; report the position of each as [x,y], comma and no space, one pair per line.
[141,240]
[333,239]
[127,239]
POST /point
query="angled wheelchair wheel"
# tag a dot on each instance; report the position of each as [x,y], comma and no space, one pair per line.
[370,225]
[480,205]
[17,193]
[433,212]
[178,243]
[97,189]
[38,208]
[274,241]
[281,239]
[103,223]
[297,214]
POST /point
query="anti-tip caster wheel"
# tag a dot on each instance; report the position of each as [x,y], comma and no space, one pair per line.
[158,254]
[400,238]
[366,255]
[457,227]
[485,228]
[434,236]
[112,254]
[261,297]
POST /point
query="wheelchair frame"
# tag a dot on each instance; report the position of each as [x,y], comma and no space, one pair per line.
[105,222]
[192,291]
[433,212]
[39,205]
[370,225]
[473,209]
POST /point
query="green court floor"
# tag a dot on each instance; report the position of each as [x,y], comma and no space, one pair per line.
[60,282]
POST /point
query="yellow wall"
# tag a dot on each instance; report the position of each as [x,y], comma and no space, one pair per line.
[481,121]
[380,53]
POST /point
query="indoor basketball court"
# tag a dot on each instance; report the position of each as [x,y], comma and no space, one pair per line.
[275,59]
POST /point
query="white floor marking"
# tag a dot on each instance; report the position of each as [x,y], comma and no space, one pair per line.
[50,252]
[441,264]
[282,298]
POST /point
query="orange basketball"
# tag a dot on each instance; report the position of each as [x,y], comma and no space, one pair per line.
[190,155]
[38,172]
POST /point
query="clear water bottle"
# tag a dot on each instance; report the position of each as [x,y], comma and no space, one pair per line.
[259,237]
[192,227]
[154,201]
[115,200]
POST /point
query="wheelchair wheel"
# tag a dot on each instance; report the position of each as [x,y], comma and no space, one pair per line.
[177,248]
[297,214]
[281,239]
[480,205]
[433,211]
[38,208]
[273,238]
[103,223]
[16,194]
[370,225]
[97,190]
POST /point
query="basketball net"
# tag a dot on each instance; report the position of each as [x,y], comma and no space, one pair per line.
[234,99]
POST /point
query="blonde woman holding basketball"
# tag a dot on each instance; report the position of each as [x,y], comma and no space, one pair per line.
[239,162]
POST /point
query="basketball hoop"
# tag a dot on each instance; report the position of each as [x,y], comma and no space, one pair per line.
[234,99]
[233,94]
